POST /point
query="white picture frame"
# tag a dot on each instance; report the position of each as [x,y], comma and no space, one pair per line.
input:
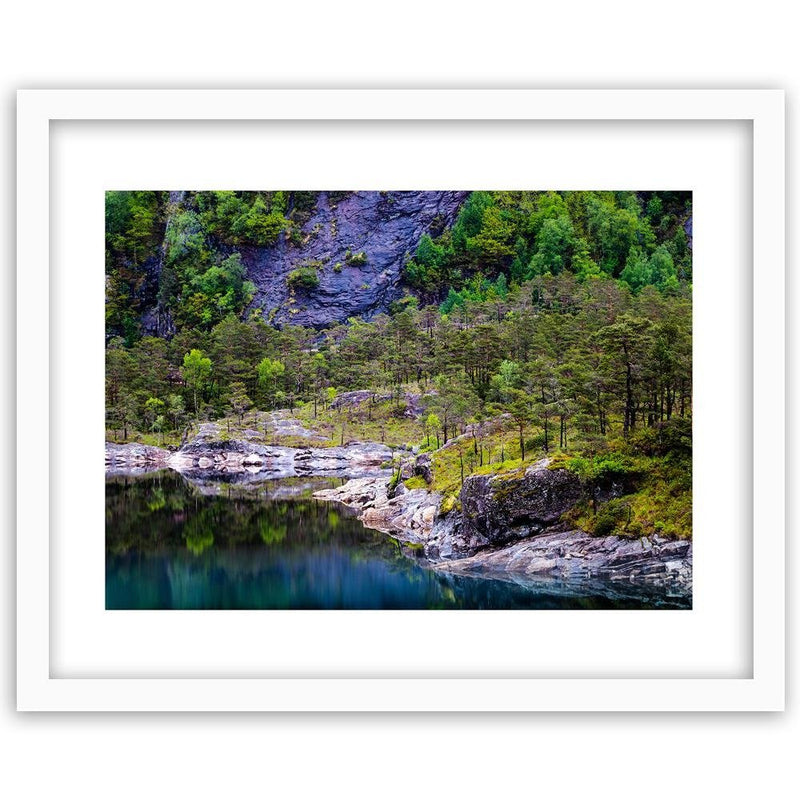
[42,687]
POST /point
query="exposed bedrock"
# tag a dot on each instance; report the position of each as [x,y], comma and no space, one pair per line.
[380,230]
[243,461]
[572,555]
[510,524]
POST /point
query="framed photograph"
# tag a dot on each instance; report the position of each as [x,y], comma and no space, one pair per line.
[425,400]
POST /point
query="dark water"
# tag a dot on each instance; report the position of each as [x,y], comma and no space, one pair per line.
[174,545]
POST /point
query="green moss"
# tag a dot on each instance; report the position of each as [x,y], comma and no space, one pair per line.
[559,461]
[605,466]
[450,503]
[417,482]
[662,504]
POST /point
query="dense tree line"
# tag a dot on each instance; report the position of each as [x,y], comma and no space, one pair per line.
[557,355]
[567,312]
[181,254]
[505,238]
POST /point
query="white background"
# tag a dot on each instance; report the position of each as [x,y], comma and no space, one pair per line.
[680,44]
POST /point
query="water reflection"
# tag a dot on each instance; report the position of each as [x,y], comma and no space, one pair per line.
[175,545]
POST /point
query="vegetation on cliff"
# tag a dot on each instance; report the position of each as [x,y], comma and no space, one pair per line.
[538,323]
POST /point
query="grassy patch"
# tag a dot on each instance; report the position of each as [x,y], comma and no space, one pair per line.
[661,504]
[382,421]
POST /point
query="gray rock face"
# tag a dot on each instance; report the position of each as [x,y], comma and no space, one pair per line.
[574,555]
[411,405]
[496,510]
[423,467]
[385,226]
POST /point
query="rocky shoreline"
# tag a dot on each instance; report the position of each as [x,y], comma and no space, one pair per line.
[249,461]
[506,526]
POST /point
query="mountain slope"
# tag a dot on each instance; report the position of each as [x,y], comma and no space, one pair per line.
[355,248]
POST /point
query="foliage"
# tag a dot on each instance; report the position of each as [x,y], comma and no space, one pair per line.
[604,467]
[196,372]
[303,278]
[355,259]
[545,323]
[637,237]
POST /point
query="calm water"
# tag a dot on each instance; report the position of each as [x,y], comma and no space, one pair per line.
[174,545]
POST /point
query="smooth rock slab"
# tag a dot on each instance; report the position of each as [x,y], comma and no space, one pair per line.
[574,554]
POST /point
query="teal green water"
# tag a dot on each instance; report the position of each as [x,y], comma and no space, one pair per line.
[170,545]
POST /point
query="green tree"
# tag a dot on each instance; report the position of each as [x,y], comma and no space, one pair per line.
[239,399]
[176,410]
[493,243]
[153,412]
[269,373]
[554,243]
[196,372]
[521,411]
[432,425]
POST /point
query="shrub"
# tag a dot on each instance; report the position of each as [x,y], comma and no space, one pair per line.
[608,466]
[355,259]
[303,278]
[611,516]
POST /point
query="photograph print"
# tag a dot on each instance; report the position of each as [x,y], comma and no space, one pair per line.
[398,400]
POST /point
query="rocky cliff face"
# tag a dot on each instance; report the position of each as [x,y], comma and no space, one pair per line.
[357,245]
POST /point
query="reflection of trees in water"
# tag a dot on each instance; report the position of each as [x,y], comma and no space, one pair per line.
[271,532]
[169,546]
[199,532]
[150,512]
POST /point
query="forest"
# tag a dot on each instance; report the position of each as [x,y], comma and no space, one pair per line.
[537,323]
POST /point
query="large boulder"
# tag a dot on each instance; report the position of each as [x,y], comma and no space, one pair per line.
[496,509]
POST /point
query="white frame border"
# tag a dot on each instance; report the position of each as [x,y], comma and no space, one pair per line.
[36,690]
